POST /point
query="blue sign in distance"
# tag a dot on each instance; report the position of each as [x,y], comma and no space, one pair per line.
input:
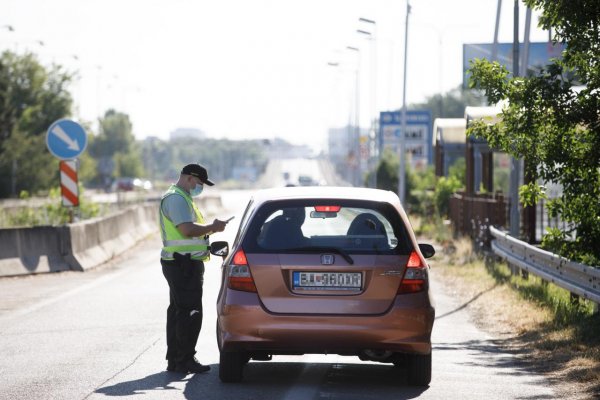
[66,139]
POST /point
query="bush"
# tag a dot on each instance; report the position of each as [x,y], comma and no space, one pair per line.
[444,188]
[52,213]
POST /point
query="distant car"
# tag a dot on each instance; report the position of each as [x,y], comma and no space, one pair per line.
[325,270]
[125,184]
[305,180]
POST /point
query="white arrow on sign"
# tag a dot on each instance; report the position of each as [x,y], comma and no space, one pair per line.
[62,135]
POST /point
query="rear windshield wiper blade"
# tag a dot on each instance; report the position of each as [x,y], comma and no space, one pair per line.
[310,249]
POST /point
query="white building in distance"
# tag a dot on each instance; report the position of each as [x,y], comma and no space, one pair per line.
[187,133]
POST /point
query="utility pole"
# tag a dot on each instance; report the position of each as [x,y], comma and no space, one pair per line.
[402,169]
[356,140]
[495,44]
[515,222]
[373,148]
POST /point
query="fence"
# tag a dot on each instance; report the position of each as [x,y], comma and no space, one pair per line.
[465,211]
[581,280]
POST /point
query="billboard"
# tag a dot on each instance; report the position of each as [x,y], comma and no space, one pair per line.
[540,54]
[417,138]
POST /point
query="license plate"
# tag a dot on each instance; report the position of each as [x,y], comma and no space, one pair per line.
[327,280]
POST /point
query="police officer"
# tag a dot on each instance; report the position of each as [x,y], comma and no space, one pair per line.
[185,249]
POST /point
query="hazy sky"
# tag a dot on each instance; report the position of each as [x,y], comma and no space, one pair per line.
[250,68]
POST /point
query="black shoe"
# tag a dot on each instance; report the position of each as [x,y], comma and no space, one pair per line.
[192,366]
[171,366]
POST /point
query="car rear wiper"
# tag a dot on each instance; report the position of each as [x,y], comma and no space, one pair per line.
[310,249]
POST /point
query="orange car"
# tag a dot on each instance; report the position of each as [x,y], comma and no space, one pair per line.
[325,270]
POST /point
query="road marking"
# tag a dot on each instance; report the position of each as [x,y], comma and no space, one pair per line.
[308,383]
[70,293]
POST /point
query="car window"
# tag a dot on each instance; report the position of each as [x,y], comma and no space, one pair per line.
[355,227]
[244,220]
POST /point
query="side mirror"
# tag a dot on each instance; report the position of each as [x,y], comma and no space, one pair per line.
[220,249]
[427,250]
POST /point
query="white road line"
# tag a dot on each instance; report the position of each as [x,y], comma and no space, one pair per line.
[308,383]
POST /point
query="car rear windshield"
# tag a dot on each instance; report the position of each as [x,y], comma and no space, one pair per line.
[355,227]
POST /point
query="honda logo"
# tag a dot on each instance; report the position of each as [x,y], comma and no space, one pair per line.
[327,259]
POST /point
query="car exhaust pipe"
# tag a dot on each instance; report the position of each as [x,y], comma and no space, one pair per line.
[377,355]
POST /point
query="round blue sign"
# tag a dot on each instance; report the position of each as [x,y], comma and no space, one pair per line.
[66,139]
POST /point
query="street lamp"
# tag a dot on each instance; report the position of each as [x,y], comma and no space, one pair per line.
[373,41]
[402,169]
[373,148]
[356,114]
[349,173]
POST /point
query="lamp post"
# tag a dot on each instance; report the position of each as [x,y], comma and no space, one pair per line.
[349,145]
[373,148]
[515,215]
[402,168]
[356,179]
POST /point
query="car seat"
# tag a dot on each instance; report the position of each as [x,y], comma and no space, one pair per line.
[285,231]
[367,227]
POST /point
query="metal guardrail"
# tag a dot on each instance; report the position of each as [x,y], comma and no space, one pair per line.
[578,279]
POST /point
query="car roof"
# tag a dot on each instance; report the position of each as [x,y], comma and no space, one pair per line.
[325,192]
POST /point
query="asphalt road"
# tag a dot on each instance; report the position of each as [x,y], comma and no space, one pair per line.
[100,334]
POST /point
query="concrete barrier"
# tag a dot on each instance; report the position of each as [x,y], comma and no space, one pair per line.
[33,250]
[82,245]
[96,241]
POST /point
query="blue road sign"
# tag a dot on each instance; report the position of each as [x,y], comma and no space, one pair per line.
[66,139]
[417,139]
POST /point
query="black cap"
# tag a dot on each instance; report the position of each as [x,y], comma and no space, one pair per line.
[199,172]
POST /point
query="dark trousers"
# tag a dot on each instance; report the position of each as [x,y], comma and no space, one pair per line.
[184,315]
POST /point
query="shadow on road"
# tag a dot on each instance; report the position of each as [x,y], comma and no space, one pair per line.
[159,381]
[280,380]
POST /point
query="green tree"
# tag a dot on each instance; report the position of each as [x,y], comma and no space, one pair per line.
[387,171]
[446,186]
[115,148]
[554,127]
[31,99]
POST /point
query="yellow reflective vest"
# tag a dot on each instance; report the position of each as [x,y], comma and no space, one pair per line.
[173,240]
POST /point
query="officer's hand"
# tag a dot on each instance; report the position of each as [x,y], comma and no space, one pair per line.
[218,225]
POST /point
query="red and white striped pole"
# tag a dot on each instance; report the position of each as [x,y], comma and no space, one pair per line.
[68,183]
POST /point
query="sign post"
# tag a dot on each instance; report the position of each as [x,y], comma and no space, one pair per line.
[414,144]
[66,140]
[68,183]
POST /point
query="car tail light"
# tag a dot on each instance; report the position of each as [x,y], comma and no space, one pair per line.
[238,274]
[328,208]
[415,276]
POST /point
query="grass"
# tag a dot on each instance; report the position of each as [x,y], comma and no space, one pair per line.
[539,321]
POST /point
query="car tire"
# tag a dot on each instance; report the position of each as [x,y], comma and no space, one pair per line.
[231,366]
[418,369]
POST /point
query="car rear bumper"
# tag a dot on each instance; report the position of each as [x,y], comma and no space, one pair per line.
[244,325]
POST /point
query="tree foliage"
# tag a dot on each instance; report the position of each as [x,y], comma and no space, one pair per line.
[164,160]
[32,97]
[115,148]
[387,171]
[451,104]
[555,127]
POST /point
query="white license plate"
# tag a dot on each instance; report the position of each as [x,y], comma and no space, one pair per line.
[327,280]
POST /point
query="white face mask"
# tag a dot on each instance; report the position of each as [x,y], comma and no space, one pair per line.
[196,190]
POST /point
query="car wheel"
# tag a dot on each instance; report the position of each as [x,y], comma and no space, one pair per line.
[418,369]
[231,366]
